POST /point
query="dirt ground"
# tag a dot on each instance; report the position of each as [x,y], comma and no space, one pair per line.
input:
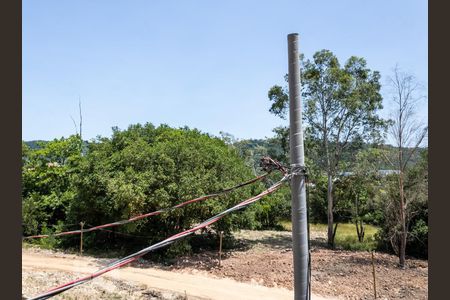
[260,269]
[45,269]
[42,270]
[35,281]
[267,260]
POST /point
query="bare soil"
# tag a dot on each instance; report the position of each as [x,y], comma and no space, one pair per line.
[266,258]
[42,270]
[260,269]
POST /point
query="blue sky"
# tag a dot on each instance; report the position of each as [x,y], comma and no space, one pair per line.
[204,64]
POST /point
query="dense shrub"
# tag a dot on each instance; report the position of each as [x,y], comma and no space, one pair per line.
[139,170]
[47,189]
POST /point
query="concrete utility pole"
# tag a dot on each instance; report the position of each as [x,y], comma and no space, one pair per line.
[298,189]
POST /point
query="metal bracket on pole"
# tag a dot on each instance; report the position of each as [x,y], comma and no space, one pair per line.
[297,169]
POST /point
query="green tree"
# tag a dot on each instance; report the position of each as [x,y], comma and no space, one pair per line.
[47,188]
[143,169]
[357,190]
[341,105]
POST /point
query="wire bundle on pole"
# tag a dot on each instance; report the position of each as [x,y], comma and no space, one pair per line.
[133,257]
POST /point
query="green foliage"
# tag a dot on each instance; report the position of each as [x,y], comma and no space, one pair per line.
[273,209]
[355,192]
[279,98]
[416,195]
[416,190]
[353,244]
[51,242]
[418,239]
[340,110]
[47,188]
[144,169]
[317,199]
[346,237]
[138,170]
[281,140]
[340,106]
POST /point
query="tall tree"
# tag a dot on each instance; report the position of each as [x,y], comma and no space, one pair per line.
[408,135]
[341,105]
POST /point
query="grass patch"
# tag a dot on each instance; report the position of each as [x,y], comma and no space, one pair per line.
[286,225]
[346,237]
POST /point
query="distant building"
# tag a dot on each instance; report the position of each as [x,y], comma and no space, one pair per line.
[380,172]
[388,172]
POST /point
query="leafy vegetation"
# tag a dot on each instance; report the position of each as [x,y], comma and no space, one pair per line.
[416,191]
[47,182]
[344,143]
[341,105]
[146,168]
[346,237]
[138,170]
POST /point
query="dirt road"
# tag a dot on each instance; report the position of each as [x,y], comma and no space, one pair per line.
[195,286]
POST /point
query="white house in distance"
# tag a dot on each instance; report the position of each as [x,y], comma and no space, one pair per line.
[380,172]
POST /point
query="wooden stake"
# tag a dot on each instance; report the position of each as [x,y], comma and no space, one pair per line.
[220,248]
[81,238]
[374,278]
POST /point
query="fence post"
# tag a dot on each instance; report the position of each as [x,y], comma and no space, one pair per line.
[374,277]
[220,248]
[81,238]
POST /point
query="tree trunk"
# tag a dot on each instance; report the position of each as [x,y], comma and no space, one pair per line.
[359,223]
[334,231]
[403,233]
[360,230]
[330,211]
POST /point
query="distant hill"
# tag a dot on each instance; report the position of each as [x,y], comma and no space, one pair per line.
[35,144]
[253,149]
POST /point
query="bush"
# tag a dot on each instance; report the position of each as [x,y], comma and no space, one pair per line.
[47,189]
[273,209]
[418,240]
[317,200]
[352,243]
[144,169]
[416,192]
[139,170]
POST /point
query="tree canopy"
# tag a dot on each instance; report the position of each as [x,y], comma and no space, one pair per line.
[341,105]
